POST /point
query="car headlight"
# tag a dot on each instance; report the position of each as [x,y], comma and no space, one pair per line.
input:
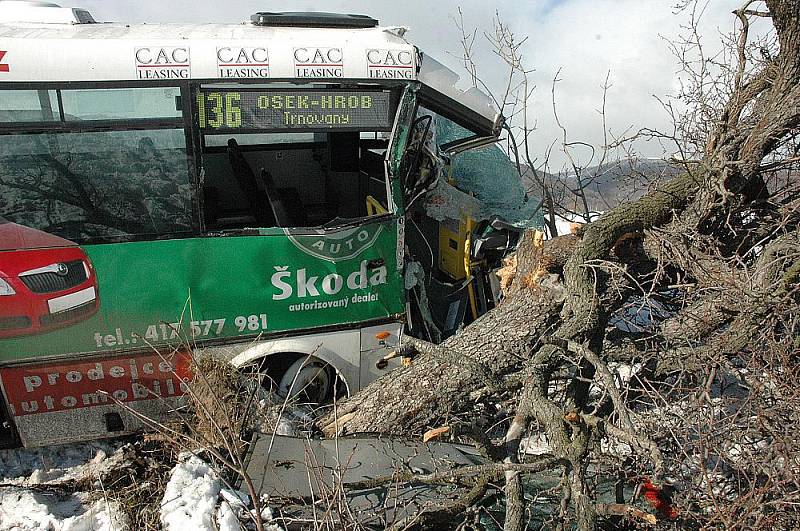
[5,288]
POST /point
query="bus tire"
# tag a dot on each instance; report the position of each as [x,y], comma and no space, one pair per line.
[308,379]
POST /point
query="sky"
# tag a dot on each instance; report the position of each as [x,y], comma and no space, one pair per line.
[584,41]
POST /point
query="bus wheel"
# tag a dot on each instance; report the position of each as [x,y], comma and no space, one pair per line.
[307,379]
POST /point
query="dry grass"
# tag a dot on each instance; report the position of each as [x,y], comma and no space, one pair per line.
[220,406]
[139,488]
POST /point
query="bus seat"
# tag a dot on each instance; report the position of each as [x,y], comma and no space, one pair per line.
[261,206]
[286,202]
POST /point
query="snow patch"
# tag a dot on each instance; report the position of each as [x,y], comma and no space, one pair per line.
[55,464]
[195,500]
[190,498]
[227,519]
[534,445]
[565,223]
[28,502]
[22,509]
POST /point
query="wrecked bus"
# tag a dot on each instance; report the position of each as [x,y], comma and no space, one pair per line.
[241,190]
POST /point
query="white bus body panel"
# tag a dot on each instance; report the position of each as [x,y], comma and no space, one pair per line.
[116,52]
[81,424]
[31,52]
[353,353]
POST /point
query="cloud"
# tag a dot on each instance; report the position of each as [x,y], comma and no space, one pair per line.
[582,40]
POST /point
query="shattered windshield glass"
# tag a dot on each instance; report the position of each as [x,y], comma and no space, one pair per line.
[490,176]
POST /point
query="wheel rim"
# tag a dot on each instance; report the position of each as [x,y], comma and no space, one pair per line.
[308,379]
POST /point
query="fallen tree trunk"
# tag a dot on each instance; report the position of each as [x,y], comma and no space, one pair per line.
[437,384]
[442,377]
[441,381]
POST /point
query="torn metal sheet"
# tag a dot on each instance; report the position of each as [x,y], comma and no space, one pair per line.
[305,473]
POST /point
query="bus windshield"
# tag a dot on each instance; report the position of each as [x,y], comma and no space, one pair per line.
[292,156]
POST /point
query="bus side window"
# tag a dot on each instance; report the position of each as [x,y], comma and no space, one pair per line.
[116,167]
[95,186]
[28,106]
[120,103]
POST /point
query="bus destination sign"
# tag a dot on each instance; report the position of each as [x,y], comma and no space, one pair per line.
[293,109]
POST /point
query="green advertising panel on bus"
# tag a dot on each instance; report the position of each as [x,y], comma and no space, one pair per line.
[134,295]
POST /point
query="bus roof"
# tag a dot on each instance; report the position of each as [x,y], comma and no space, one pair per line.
[76,51]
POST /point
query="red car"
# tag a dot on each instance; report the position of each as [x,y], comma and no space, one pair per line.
[46,282]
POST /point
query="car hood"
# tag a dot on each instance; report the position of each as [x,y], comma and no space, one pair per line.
[15,237]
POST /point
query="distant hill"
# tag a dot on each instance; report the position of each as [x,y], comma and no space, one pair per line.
[606,185]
